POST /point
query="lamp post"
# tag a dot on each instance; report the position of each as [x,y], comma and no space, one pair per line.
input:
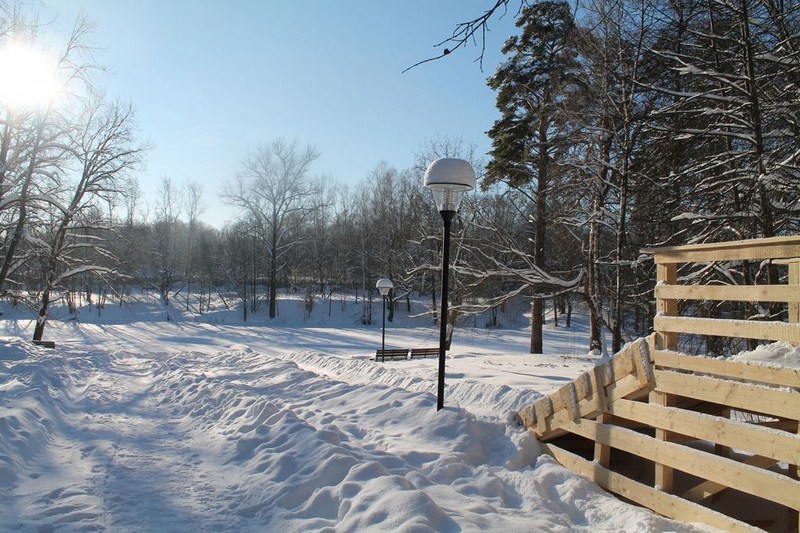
[448,179]
[384,285]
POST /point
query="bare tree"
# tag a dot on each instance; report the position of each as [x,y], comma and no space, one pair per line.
[30,138]
[238,263]
[166,255]
[103,146]
[193,204]
[273,190]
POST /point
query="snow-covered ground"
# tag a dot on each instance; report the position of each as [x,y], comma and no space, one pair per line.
[134,423]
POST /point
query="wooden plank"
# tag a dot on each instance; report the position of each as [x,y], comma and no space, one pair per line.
[742,243]
[645,349]
[662,503]
[620,378]
[570,396]
[707,489]
[621,365]
[733,254]
[769,248]
[550,427]
[527,415]
[664,474]
[602,452]
[629,387]
[765,484]
[765,400]
[585,391]
[640,354]
[619,381]
[745,329]
[781,376]
[774,444]
[565,409]
[666,275]
[794,518]
[730,293]
[599,391]
[557,401]
[541,417]
[794,282]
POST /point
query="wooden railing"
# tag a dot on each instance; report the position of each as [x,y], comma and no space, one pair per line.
[668,324]
[687,435]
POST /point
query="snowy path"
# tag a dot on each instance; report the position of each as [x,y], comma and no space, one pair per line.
[242,441]
[120,458]
[148,470]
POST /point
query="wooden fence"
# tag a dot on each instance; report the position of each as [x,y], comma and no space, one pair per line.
[692,438]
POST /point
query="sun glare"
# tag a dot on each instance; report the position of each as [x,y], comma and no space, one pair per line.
[27,76]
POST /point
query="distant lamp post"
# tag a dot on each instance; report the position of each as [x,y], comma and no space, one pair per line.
[448,179]
[384,285]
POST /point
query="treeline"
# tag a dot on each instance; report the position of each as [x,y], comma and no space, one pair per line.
[628,124]
[621,125]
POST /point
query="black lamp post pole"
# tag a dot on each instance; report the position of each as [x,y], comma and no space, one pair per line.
[447,218]
[383,334]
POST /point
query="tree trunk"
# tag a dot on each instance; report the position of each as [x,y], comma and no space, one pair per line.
[19,229]
[555,313]
[569,312]
[591,288]
[273,278]
[539,259]
[536,325]
[41,319]
[765,206]
[594,327]
[616,330]
[163,290]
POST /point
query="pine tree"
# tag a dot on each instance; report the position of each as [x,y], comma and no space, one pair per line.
[532,86]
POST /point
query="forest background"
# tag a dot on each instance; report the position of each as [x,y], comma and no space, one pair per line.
[621,125]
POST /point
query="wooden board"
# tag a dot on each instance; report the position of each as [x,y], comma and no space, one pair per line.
[745,478]
[691,398]
[660,502]
[708,489]
[770,248]
[775,444]
[774,375]
[769,401]
[745,329]
[628,374]
[666,275]
[794,281]
[730,293]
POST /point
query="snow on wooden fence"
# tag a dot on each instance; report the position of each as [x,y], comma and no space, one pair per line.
[692,438]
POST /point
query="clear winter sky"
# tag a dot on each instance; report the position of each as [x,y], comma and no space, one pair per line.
[210,79]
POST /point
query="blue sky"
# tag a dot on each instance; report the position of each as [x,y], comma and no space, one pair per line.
[212,79]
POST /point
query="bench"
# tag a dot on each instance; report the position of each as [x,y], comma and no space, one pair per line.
[45,344]
[391,353]
[424,352]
